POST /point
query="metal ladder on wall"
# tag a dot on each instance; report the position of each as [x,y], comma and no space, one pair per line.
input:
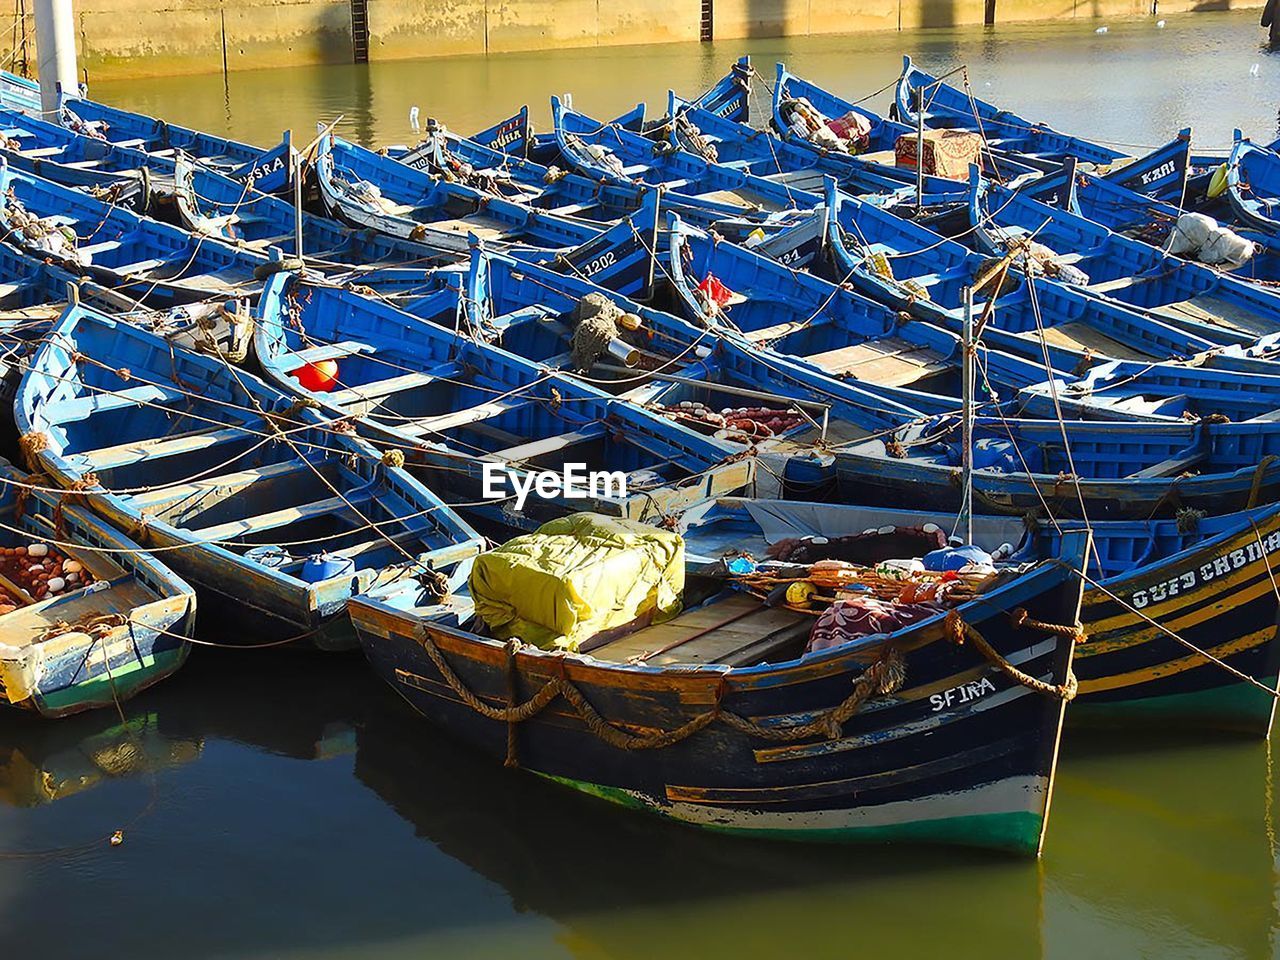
[360,31]
[707,20]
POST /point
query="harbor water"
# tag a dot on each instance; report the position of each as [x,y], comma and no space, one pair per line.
[280,804]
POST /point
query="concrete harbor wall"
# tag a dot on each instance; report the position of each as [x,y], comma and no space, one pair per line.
[120,38]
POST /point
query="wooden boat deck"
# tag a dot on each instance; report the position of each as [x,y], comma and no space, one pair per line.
[1081,336]
[25,625]
[735,631]
[891,362]
[742,197]
[1216,312]
[486,228]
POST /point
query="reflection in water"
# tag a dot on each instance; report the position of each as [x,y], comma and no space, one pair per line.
[45,761]
[300,796]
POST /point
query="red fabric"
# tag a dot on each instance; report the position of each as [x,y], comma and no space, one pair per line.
[853,127]
[713,291]
[847,620]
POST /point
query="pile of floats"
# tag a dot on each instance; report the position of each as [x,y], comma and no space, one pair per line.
[920,434]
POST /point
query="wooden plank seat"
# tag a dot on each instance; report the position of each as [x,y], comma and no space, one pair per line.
[276,519]
[736,631]
[486,228]
[324,351]
[546,445]
[775,331]
[81,164]
[1172,467]
[573,209]
[218,280]
[105,246]
[890,361]
[1113,286]
[135,451]
[460,418]
[26,625]
[1076,335]
[1217,312]
[80,408]
[36,152]
[142,267]
[740,197]
[380,389]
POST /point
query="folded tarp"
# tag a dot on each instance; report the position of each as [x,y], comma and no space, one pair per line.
[577,577]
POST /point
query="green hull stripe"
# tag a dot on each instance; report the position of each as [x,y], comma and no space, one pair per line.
[1239,706]
[1016,831]
[97,692]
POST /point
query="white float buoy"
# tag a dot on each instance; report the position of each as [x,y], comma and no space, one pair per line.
[1101,30]
[1159,24]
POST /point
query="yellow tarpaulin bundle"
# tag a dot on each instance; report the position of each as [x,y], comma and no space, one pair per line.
[577,576]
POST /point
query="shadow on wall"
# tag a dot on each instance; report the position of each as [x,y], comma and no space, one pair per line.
[937,13]
[333,43]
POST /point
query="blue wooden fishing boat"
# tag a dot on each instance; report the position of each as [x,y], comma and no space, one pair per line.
[907,265]
[47,150]
[475,419]
[950,106]
[257,502]
[734,142]
[827,327]
[270,170]
[1192,296]
[1098,469]
[917,364]
[1253,184]
[19,93]
[881,137]
[1207,578]
[618,155]
[142,258]
[382,194]
[1116,202]
[718,718]
[211,205]
[108,620]
[540,180]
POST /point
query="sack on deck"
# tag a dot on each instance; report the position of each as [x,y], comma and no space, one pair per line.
[576,577]
[1226,248]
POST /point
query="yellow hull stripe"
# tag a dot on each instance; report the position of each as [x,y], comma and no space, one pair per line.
[1173,667]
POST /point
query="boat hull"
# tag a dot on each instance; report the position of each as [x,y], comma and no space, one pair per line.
[915,765]
[1221,598]
[67,675]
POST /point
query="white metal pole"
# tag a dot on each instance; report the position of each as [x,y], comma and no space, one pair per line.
[297,202]
[919,150]
[966,393]
[56,52]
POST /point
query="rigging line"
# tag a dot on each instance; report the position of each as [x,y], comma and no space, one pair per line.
[1057,408]
[395,544]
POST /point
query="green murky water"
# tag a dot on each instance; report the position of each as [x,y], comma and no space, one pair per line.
[286,805]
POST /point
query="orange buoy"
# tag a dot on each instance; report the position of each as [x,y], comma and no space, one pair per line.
[318,377]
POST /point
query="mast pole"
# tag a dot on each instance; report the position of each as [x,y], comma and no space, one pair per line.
[967,380]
